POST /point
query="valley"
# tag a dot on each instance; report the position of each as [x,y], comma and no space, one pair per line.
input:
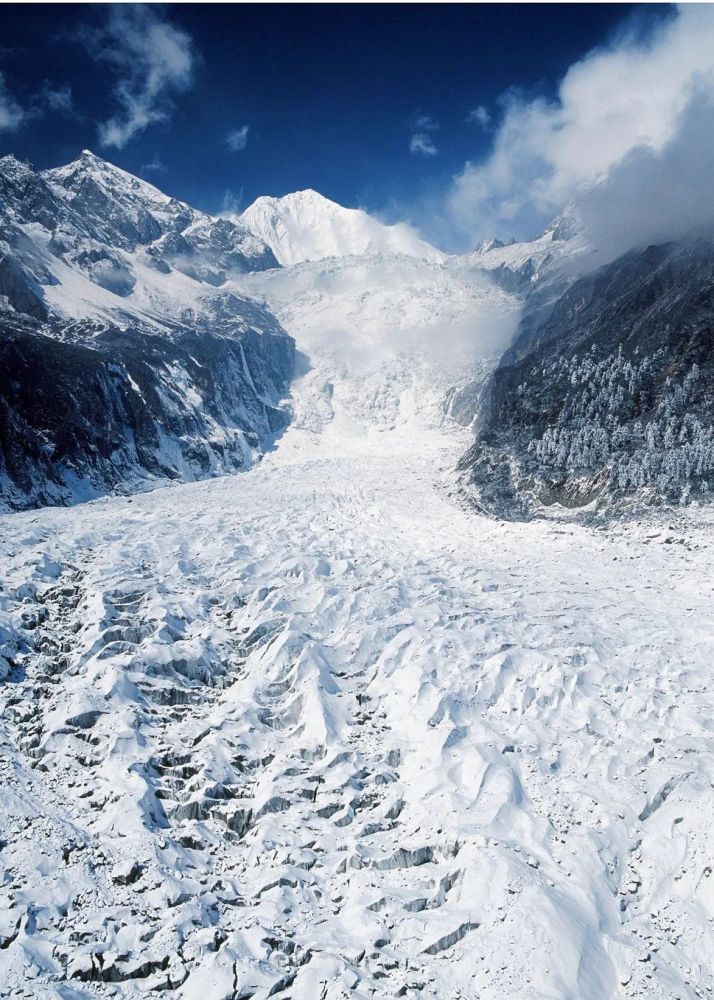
[321,728]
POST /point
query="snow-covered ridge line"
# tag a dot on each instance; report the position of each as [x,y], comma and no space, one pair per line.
[118,305]
[306,226]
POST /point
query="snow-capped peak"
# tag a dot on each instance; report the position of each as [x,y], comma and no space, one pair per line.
[305,225]
[114,182]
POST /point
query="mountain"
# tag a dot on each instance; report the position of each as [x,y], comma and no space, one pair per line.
[320,730]
[306,226]
[521,266]
[128,355]
[144,340]
[609,400]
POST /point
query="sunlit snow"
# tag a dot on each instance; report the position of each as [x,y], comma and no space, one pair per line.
[319,730]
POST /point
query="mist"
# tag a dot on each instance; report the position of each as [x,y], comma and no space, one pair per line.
[654,197]
[628,141]
[362,312]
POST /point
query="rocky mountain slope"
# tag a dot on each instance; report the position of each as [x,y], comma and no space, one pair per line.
[560,253]
[126,352]
[610,399]
[307,226]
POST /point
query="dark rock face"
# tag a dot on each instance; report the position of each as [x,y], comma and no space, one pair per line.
[142,388]
[77,421]
[610,398]
[20,289]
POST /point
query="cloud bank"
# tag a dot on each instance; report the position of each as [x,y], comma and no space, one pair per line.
[153,62]
[628,137]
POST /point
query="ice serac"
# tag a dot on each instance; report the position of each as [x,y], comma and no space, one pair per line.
[127,352]
[305,226]
[606,397]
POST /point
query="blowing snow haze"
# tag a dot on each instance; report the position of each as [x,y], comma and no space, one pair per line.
[356,522]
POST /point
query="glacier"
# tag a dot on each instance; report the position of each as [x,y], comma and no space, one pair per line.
[319,729]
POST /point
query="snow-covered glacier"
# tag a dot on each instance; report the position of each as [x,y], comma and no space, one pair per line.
[321,730]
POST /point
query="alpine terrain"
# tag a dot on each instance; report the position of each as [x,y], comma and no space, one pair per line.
[327,727]
[126,354]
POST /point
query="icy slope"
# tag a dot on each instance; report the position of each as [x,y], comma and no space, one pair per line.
[307,226]
[383,340]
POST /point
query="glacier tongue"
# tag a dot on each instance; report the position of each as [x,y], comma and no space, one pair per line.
[318,731]
[315,730]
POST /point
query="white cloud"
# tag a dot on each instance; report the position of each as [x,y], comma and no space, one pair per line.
[237,139]
[48,98]
[153,62]
[479,116]
[422,143]
[11,114]
[155,165]
[424,123]
[626,100]
[57,98]
[654,196]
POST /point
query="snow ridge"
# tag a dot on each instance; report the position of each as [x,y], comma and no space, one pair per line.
[305,226]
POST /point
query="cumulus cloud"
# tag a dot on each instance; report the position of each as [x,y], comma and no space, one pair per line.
[153,62]
[625,119]
[11,114]
[654,196]
[421,142]
[237,139]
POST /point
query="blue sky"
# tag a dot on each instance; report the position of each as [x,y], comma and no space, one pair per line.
[373,106]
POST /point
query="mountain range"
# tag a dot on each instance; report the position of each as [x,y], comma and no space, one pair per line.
[332,726]
[144,340]
[127,356]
